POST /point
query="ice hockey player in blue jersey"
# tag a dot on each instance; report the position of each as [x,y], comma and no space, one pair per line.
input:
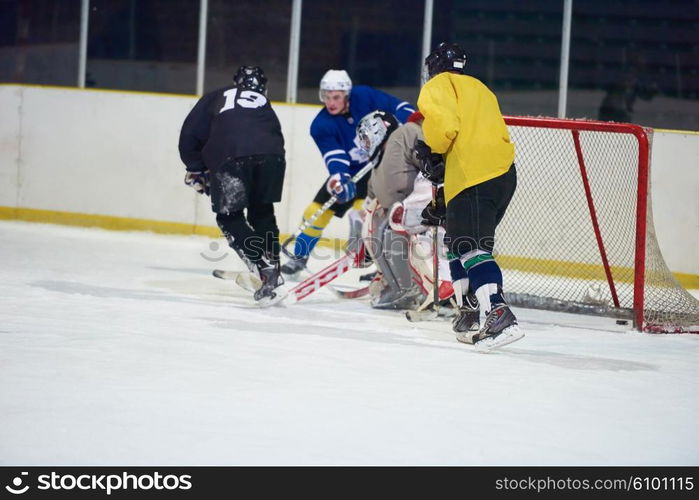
[334,132]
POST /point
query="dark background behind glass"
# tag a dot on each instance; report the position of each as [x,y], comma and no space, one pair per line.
[633,60]
[514,47]
[378,43]
[39,41]
[252,33]
[636,61]
[143,45]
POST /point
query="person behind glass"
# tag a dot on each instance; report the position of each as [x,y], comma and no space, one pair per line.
[334,132]
[467,146]
[232,146]
[635,82]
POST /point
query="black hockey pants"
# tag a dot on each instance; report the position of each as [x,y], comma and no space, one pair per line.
[254,236]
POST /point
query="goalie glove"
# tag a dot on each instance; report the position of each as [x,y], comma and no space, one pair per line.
[199,181]
[431,164]
[396,217]
[435,215]
[341,186]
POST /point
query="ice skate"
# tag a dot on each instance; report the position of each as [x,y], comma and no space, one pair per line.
[294,266]
[500,329]
[397,299]
[271,278]
[466,323]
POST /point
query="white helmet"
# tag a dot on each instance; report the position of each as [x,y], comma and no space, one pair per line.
[335,79]
[373,131]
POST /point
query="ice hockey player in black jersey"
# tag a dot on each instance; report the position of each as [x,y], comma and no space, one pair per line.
[232,146]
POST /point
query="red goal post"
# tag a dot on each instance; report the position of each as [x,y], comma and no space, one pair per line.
[578,235]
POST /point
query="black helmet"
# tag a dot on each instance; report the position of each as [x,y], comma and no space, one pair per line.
[446,57]
[251,78]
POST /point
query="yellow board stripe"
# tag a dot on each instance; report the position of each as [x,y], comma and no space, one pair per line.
[563,268]
[105,221]
[127,223]
[585,271]
[538,266]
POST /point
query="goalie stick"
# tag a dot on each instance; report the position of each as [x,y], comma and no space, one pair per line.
[351,259]
[426,313]
[249,282]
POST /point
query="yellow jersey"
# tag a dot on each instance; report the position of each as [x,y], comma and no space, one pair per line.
[464,123]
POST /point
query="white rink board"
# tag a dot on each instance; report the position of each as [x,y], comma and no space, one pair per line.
[675,197]
[10,102]
[115,153]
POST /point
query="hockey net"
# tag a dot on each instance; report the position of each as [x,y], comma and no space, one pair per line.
[578,235]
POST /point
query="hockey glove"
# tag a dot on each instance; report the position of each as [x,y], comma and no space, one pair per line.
[435,215]
[431,164]
[341,186]
[199,181]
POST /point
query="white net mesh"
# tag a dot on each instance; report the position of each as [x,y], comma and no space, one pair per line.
[575,207]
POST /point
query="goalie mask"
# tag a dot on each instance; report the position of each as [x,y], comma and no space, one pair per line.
[373,131]
[335,79]
[446,57]
[251,78]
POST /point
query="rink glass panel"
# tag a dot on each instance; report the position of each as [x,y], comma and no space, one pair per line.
[39,41]
[513,47]
[148,45]
[635,62]
[252,33]
[378,43]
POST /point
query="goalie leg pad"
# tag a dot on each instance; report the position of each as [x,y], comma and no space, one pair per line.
[391,257]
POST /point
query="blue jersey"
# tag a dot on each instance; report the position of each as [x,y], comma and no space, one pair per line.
[335,135]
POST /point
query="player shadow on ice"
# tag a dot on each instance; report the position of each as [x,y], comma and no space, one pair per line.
[580,361]
[107,292]
[356,332]
[296,321]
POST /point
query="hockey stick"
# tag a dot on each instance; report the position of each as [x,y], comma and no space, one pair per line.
[306,223]
[244,279]
[424,312]
[421,313]
[435,256]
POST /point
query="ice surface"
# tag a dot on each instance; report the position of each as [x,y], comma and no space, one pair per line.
[121,349]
